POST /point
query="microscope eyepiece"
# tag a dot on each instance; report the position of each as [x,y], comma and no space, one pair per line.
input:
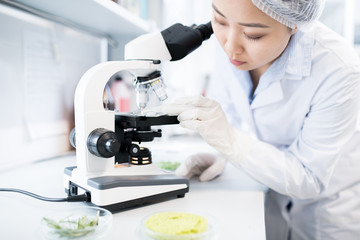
[205,30]
[182,40]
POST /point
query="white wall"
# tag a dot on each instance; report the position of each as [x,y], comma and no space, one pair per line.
[343,17]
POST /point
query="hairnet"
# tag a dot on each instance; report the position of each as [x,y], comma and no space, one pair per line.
[292,13]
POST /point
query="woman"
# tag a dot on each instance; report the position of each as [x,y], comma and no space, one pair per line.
[286,113]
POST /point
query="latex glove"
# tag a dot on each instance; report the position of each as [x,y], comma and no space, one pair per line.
[206,116]
[206,166]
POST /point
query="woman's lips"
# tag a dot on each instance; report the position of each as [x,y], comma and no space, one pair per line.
[236,63]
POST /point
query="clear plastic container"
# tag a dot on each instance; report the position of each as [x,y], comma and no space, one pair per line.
[148,234]
[88,223]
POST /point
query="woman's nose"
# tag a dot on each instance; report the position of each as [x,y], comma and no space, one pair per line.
[233,43]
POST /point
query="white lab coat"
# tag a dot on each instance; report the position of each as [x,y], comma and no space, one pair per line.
[307,150]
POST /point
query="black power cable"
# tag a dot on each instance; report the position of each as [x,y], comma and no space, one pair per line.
[78,198]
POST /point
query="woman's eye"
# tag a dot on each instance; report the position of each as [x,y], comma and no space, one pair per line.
[253,38]
[219,22]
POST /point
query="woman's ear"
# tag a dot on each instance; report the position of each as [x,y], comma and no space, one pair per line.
[293,31]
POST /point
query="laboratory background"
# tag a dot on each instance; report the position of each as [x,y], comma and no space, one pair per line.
[46,46]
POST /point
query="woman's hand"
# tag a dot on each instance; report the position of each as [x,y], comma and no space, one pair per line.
[206,166]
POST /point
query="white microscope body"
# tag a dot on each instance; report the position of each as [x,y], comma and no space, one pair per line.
[108,165]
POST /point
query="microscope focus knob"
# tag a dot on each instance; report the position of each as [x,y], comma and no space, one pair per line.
[72,138]
[103,143]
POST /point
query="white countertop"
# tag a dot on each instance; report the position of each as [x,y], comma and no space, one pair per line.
[234,200]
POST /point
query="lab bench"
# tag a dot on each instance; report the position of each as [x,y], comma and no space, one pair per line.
[234,200]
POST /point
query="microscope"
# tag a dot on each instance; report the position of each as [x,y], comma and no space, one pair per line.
[111,167]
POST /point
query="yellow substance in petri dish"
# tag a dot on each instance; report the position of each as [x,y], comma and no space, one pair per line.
[177,223]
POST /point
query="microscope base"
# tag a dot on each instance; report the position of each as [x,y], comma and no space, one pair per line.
[117,193]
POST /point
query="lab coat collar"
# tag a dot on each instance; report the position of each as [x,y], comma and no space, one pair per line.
[273,93]
[299,50]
